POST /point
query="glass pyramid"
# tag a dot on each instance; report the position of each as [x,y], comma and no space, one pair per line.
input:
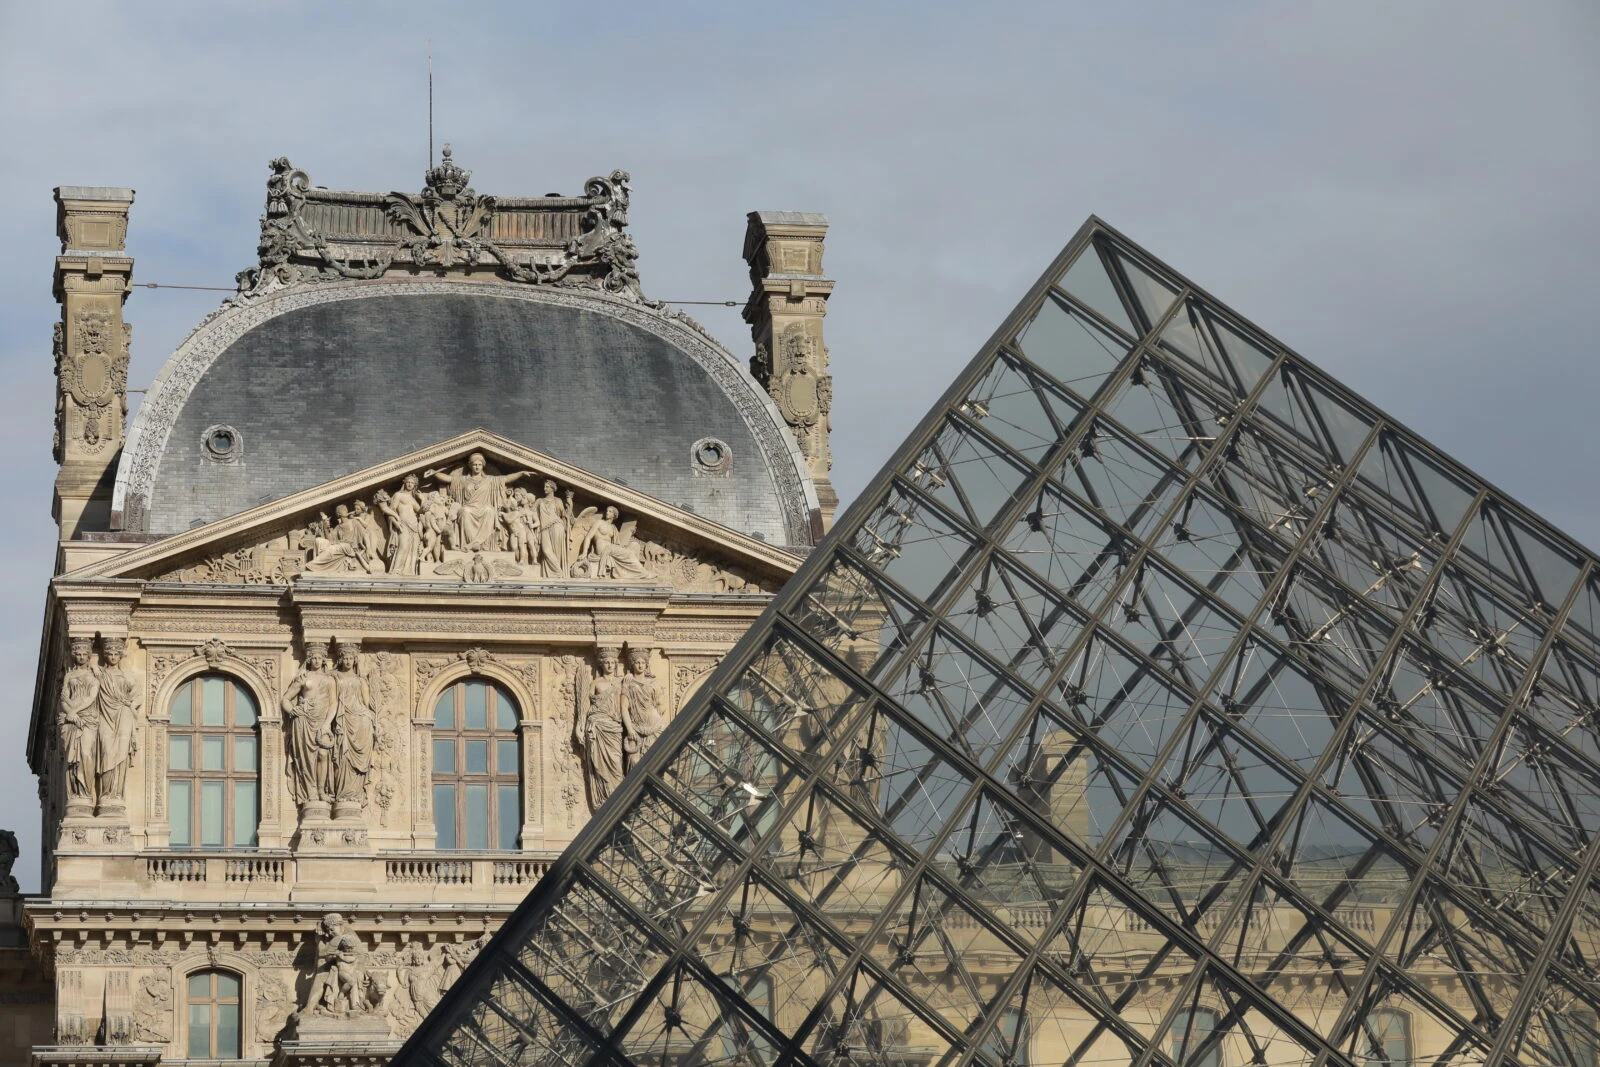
[1161,702]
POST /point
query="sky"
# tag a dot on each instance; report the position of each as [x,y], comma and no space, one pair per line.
[1403,193]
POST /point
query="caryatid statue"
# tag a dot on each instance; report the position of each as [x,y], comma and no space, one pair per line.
[642,721]
[308,705]
[355,731]
[116,712]
[76,712]
[598,728]
[480,496]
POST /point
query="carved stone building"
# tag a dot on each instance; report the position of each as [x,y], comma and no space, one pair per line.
[414,547]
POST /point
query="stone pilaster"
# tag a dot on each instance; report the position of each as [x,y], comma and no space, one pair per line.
[92,279]
[788,299]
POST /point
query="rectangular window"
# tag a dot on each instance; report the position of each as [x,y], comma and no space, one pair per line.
[181,754]
[505,757]
[183,705]
[1191,1039]
[212,694]
[228,1031]
[244,753]
[444,757]
[199,1031]
[244,813]
[444,816]
[477,816]
[510,815]
[477,757]
[182,813]
[212,799]
[211,754]
[477,707]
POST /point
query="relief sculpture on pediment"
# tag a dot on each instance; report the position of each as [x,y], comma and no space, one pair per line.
[473,525]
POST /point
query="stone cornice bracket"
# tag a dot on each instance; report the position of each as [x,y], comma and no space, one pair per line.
[311,234]
[615,628]
[87,617]
[93,277]
[788,300]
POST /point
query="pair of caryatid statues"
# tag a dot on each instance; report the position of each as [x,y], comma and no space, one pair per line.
[475,511]
[619,716]
[96,715]
[330,732]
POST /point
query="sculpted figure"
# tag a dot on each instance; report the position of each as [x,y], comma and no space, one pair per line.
[621,556]
[329,555]
[553,521]
[421,976]
[152,1015]
[116,709]
[642,721]
[339,984]
[518,522]
[8,856]
[590,531]
[376,539]
[308,706]
[351,532]
[75,718]
[354,733]
[404,512]
[438,525]
[599,729]
[480,496]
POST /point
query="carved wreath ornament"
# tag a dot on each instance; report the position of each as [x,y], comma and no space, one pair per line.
[94,371]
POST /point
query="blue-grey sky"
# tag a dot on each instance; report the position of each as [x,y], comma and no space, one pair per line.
[1402,192]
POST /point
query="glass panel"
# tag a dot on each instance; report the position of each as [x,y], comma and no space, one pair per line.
[199,1030]
[212,753]
[444,816]
[508,802]
[444,712]
[1063,343]
[477,758]
[227,986]
[244,753]
[1088,281]
[228,1031]
[477,816]
[444,757]
[180,753]
[212,695]
[244,814]
[244,706]
[505,757]
[183,705]
[200,986]
[181,815]
[505,715]
[1191,1044]
[1153,295]
[213,799]
[477,706]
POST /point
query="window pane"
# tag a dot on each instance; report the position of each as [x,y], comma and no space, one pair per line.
[477,816]
[244,753]
[199,1031]
[182,705]
[444,757]
[228,1031]
[211,802]
[444,712]
[180,755]
[477,706]
[505,757]
[477,761]
[244,706]
[211,749]
[1190,1031]
[509,815]
[227,986]
[200,986]
[244,813]
[505,716]
[182,813]
[444,816]
[211,691]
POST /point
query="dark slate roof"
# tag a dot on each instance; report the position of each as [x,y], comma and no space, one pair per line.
[352,376]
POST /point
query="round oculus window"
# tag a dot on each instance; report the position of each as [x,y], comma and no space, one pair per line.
[221,442]
[711,456]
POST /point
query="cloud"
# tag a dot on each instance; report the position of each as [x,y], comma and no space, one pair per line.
[1403,193]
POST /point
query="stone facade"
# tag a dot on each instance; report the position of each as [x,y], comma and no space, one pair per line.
[329,918]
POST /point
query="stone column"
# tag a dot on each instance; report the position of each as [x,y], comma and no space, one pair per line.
[92,279]
[788,299]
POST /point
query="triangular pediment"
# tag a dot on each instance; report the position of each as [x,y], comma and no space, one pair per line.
[433,516]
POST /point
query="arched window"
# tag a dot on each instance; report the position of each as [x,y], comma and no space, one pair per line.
[1193,1044]
[1008,1042]
[1574,1039]
[477,767]
[213,1000]
[212,761]
[1385,1041]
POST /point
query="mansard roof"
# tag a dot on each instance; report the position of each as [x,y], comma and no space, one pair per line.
[376,323]
[1157,672]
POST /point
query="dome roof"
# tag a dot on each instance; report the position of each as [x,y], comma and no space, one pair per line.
[287,392]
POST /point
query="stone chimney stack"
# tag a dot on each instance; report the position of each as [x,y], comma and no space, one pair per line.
[788,299]
[93,278]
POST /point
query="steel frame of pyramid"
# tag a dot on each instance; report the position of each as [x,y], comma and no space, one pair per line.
[1160,702]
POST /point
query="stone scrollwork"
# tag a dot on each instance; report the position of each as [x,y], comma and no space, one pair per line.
[152,1008]
[473,525]
[447,226]
[93,371]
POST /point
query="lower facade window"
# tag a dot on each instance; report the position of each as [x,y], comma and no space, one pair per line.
[213,1016]
[1192,1043]
[1387,1039]
[212,764]
[477,768]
